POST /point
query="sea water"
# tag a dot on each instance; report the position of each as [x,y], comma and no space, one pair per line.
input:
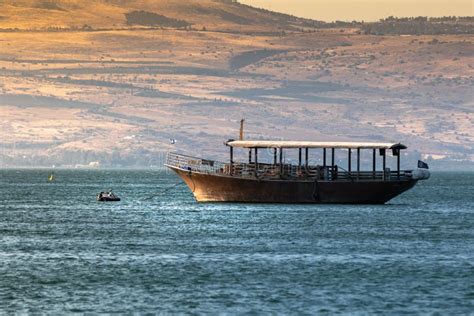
[158,250]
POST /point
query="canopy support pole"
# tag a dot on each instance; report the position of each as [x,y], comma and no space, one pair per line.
[256,162]
[333,162]
[250,155]
[398,164]
[384,163]
[274,156]
[231,160]
[281,162]
[349,162]
[358,163]
[299,158]
[324,157]
[306,152]
[333,158]
[374,166]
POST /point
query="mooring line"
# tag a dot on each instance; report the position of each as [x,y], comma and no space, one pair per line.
[162,192]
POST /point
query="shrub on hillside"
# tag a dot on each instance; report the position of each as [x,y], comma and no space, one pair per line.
[153,19]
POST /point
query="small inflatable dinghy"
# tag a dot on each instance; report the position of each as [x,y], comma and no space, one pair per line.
[107,197]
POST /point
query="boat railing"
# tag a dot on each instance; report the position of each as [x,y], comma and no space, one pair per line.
[195,164]
[283,171]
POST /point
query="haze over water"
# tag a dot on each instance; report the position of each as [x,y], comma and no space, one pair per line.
[62,251]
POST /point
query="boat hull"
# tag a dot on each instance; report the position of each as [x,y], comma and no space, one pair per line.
[216,188]
[108,199]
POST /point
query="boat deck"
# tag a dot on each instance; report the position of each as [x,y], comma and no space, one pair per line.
[289,172]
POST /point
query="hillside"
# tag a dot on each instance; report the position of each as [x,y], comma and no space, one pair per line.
[118,94]
[118,14]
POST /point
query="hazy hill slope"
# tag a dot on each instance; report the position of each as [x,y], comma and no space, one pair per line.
[211,14]
[62,93]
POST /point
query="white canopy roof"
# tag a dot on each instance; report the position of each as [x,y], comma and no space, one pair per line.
[304,144]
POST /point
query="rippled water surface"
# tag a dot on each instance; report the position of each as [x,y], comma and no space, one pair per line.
[61,251]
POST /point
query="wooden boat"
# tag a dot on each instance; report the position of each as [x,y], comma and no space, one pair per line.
[279,181]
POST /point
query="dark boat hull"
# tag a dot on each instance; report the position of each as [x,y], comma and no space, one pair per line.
[108,199]
[216,188]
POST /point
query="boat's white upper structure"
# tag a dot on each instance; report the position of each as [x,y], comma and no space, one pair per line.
[306,144]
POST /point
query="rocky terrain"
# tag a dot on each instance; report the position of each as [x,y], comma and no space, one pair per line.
[86,83]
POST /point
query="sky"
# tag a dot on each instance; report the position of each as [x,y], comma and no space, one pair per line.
[366,10]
